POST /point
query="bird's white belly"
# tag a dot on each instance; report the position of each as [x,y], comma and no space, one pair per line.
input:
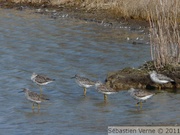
[157,80]
[108,93]
[160,81]
[87,86]
[43,83]
[36,101]
[146,97]
[84,85]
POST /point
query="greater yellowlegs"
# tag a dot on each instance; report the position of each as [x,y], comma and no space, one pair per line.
[41,80]
[34,97]
[83,82]
[140,95]
[104,89]
[159,78]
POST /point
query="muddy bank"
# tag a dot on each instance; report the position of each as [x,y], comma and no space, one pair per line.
[101,16]
[139,78]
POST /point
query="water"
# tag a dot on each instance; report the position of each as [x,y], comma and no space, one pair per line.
[60,49]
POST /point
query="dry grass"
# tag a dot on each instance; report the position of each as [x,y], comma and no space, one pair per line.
[125,8]
[164,34]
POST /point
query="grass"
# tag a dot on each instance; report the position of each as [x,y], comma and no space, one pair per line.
[164,34]
[136,9]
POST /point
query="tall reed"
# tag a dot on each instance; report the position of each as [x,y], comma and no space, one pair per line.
[164,33]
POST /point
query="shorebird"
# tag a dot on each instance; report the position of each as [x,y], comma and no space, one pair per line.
[159,78]
[140,95]
[83,82]
[41,80]
[104,89]
[34,97]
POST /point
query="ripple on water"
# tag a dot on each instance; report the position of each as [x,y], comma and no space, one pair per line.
[60,49]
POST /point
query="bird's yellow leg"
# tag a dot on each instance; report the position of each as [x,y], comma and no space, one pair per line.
[38,106]
[33,106]
[137,104]
[141,105]
[84,91]
[159,87]
[105,97]
[40,90]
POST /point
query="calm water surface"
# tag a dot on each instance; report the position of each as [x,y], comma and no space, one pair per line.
[60,49]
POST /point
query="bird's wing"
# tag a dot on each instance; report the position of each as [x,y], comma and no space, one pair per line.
[104,88]
[42,78]
[44,97]
[34,96]
[86,80]
[37,97]
[163,77]
[142,93]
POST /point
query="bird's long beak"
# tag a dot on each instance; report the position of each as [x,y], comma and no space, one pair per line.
[21,90]
[73,77]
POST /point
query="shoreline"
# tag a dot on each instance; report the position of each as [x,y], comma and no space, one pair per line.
[99,16]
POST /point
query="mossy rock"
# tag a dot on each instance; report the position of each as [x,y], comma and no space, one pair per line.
[139,78]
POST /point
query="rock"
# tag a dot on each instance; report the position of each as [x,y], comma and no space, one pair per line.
[139,78]
[127,78]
